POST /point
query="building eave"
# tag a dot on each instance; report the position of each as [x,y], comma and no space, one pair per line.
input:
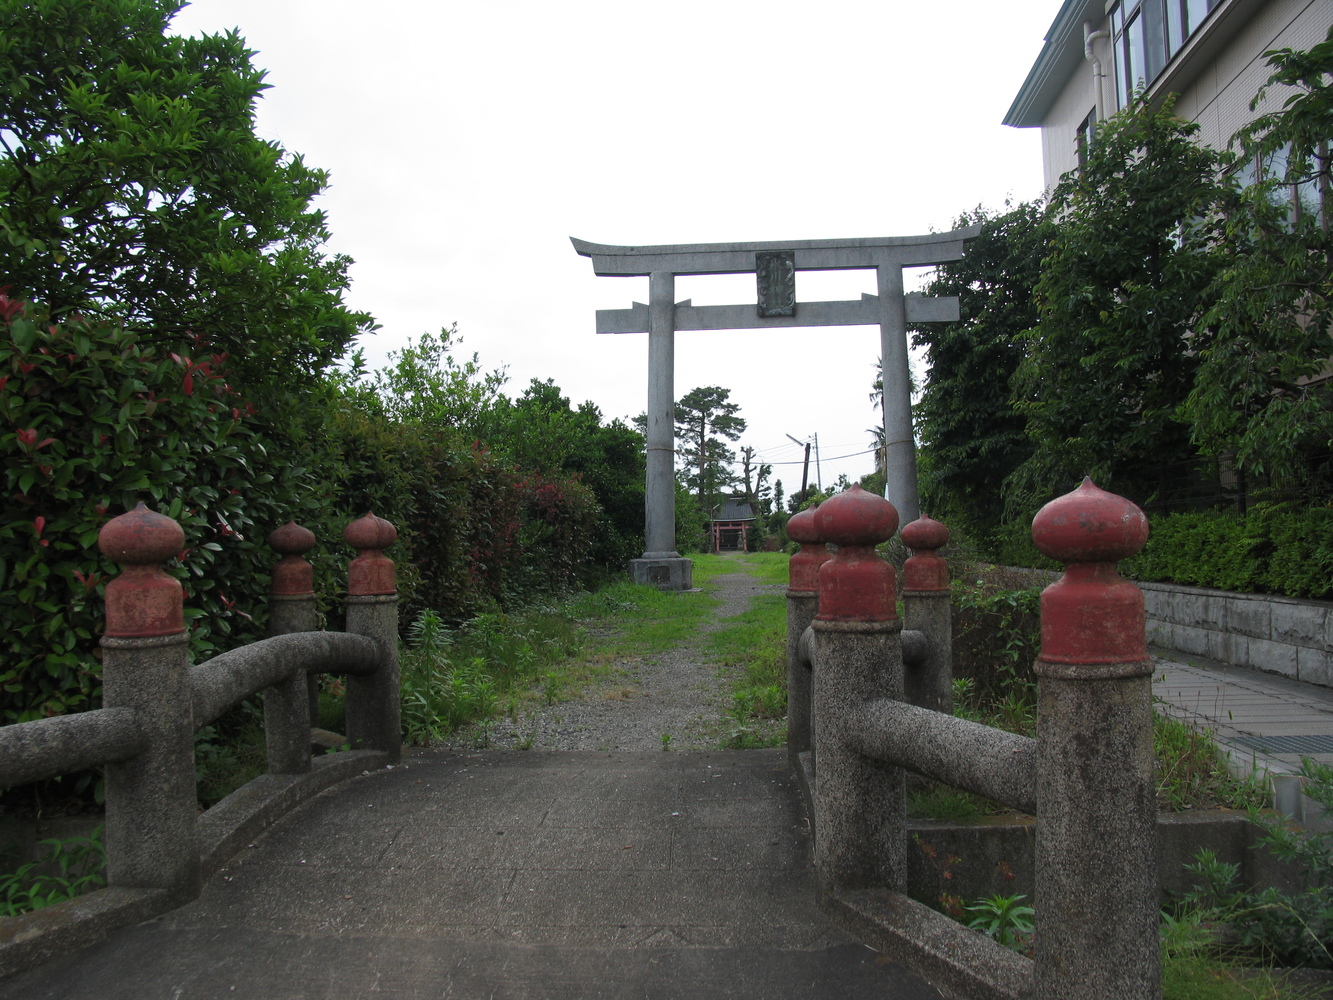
[1059,58]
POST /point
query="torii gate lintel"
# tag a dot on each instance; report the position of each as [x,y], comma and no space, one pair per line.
[775,265]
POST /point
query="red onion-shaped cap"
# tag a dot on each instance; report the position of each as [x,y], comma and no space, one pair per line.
[370,533]
[292,575]
[925,570]
[856,585]
[856,517]
[801,526]
[371,572]
[291,539]
[1089,525]
[803,571]
[925,534]
[141,537]
[1092,622]
[143,601]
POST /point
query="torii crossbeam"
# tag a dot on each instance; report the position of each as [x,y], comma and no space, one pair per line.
[775,266]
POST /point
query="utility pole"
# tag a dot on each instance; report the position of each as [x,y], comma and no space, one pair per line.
[805,469]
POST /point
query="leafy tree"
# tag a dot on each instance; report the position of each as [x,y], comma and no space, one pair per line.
[1132,253]
[541,431]
[133,188]
[1265,337]
[754,479]
[705,421]
[972,437]
[425,383]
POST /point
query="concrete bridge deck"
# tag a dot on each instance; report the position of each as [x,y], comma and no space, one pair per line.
[508,874]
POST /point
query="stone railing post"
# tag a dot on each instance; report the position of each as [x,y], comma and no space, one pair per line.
[1096,850]
[926,609]
[860,804]
[290,707]
[802,603]
[373,708]
[150,799]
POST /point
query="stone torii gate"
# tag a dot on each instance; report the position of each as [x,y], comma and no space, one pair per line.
[775,266]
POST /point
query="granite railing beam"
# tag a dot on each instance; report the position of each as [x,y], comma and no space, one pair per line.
[227,679]
[44,748]
[980,759]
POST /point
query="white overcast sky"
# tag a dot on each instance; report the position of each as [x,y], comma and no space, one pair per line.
[469,139]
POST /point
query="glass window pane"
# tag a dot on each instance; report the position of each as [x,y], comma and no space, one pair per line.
[1134,54]
[1245,172]
[1175,27]
[1153,16]
[1121,74]
[1117,19]
[1275,164]
[1307,197]
[1195,12]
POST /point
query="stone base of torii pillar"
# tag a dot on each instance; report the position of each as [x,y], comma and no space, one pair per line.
[671,572]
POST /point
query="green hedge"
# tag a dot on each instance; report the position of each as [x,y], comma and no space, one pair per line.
[1273,548]
[91,422]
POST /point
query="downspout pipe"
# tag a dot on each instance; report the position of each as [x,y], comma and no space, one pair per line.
[1098,76]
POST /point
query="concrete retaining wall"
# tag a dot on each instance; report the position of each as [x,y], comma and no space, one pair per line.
[995,857]
[1280,635]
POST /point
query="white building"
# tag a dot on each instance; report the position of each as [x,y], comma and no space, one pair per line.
[1209,52]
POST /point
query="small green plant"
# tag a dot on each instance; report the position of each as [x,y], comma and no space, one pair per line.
[1270,926]
[551,685]
[666,741]
[70,868]
[229,753]
[1191,772]
[1196,965]
[1006,919]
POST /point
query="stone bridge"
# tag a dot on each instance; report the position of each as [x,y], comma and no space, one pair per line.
[580,874]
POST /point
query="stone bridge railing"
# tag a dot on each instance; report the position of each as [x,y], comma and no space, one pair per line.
[159,848]
[868,699]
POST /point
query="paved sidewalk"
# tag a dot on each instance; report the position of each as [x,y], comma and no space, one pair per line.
[1264,722]
[508,875]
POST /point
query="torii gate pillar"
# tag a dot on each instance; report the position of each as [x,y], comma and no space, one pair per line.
[661,565]
[775,266]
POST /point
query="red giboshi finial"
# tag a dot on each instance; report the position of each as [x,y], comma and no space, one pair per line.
[1091,615]
[371,572]
[925,570]
[143,601]
[856,584]
[292,575]
[803,571]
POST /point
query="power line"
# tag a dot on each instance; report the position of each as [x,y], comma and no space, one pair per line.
[836,458]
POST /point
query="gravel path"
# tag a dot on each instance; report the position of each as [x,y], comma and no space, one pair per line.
[677,692]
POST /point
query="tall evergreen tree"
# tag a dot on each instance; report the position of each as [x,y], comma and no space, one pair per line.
[705,421]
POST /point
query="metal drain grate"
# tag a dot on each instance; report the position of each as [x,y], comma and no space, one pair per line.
[1286,744]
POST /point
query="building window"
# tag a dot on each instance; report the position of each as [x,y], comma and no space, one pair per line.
[1147,34]
[1303,197]
[1083,140]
